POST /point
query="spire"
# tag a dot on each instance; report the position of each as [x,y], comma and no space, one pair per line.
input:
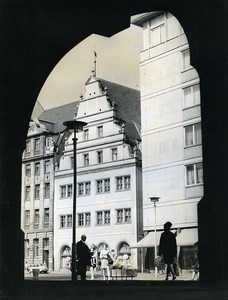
[95,61]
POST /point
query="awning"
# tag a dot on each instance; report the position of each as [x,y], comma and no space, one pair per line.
[187,237]
[148,241]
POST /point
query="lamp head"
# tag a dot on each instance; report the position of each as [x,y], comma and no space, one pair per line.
[154,199]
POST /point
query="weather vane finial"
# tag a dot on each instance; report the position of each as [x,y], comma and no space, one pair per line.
[95,61]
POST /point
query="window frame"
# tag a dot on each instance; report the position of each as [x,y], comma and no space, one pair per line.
[123,183]
[195,142]
[28,170]
[65,221]
[125,216]
[100,156]
[37,169]
[103,217]
[86,159]
[47,190]
[103,185]
[195,181]
[82,188]
[84,219]
[37,192]
[100,131]
[185,67]
[114,154]
[195,101]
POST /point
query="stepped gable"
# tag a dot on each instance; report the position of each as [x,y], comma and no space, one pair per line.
[128,106]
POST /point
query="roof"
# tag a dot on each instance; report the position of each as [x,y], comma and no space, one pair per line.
[53,118]
[127,102]
[128,105]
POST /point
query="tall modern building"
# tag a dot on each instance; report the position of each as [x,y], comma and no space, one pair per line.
[171,134]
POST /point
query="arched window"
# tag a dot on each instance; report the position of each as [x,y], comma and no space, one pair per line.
[124,248]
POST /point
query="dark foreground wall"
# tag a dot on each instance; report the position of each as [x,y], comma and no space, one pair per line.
[35,35]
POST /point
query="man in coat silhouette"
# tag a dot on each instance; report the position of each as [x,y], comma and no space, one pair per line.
[168,249]
[83,257]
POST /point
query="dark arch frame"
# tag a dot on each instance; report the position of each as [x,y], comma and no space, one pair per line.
[36,34]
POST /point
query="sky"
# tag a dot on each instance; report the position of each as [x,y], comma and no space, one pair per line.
[117,61]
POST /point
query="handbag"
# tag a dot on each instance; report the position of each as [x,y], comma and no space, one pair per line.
[110,260]
[158,262]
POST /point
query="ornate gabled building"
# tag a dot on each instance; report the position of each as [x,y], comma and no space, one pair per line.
[109,187]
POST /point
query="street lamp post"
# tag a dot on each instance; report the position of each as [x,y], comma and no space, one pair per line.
[76,126]
[155,200]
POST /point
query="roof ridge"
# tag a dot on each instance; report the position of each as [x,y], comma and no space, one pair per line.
[127,87]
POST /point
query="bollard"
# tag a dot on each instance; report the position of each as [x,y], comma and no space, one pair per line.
[35,273]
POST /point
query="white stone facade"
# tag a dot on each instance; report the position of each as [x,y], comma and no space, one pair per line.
[170,120]
[109,192]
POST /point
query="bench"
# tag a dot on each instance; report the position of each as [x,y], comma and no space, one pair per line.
[122,274]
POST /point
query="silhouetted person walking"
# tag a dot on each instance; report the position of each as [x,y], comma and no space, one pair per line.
[83,257]
[168,249]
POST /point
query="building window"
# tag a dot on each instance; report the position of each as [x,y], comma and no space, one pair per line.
[124,248]
[84,188]
[27,248]
[47,166]
[72,162]
[123,183]
[45,242]
[27,217]
[100,131]
[157,29]
[87,188]
[84,219]
[37,169]
[103,185]
[36,217]
[36,247]
[66,191]
[103,217]
[47,190]
[193,135]
[86,159]
[69,220]
[28,148]
[107,185]
[100,157]
[63,191]
[37,146]
[194,174]
[191,95]
[114,154]
[37,191]
[185,60]
[27,193]
[48,142]
[46,215]
[123,215]
[86,134]
[66,221]
[28,170]
[69,190]
[62,221]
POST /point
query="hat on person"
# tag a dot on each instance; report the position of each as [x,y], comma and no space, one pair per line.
[168,225]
